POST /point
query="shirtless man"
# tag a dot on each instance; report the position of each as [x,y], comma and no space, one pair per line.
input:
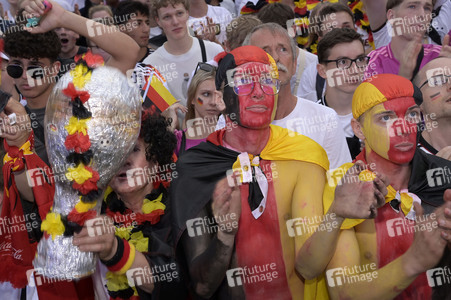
[390,254]
[258,250]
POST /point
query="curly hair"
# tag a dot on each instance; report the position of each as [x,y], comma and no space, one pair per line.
[21,43]
[160,141]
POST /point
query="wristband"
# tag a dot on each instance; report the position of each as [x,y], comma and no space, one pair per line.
[123,259]
[117,256]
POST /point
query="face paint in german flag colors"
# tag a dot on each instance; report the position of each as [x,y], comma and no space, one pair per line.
[390,129]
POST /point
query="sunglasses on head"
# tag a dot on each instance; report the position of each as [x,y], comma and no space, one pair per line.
[16,71]
[204,67]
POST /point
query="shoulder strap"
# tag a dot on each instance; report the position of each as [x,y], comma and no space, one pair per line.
[182,144]
[202,49]
[419,60]
[320,81]
[435,36]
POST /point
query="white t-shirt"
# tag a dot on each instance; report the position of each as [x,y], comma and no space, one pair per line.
[155,31]
[229,5]
[176,69]
[307,87]
[304,60]
[219,15]
[345,121]
[441,23]
[321,124]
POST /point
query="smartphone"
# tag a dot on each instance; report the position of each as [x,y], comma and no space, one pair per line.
[33,22]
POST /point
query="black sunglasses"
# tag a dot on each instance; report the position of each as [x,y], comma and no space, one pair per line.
[16,71]
[204,67]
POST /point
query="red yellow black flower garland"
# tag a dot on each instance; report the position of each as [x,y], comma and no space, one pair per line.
[133,229]
[83,177]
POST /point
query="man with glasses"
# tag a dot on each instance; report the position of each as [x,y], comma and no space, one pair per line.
[255,190]
[435,84]
[342,62]
[305,117]
[34,68]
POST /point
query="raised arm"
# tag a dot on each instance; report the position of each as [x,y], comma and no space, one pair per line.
[375,10]
[424,253]
[209,255]
[353,199]
[123,49]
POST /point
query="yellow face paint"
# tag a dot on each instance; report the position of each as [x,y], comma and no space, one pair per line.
[376,137]
[390,129]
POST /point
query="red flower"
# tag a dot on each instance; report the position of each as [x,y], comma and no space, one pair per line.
[77,141]
[153,217]
[89,185]
[72,92]
[81,218]
[92,60]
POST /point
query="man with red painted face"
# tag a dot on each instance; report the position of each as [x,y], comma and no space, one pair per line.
[401,243]
[247,230]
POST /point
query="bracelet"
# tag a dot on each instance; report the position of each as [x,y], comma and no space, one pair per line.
[117,256]
[123,259]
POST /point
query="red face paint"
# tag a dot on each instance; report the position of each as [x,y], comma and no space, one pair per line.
[257,107]
[402,134]
[200,101]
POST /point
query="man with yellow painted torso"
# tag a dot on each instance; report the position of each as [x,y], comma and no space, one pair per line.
[247,202]
[387,257]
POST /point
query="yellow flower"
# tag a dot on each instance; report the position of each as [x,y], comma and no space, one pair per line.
[301,21]
[116,282]
[108,191]
[82,207]
[79,174]
[81,75]
[140,242]
[300,3]
[53,225]
[314,48]
[302,40]
[26,150]
[150,206]
[77,125]
[124,232]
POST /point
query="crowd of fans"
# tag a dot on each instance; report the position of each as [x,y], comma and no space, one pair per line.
[307,153]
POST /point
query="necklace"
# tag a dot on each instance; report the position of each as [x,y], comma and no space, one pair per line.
[132,227]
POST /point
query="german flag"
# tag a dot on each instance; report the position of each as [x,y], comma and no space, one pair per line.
[155,93]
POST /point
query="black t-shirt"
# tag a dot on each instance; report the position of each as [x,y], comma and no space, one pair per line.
[425,146]
[37,123]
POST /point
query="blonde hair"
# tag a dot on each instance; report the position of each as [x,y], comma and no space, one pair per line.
[198,78]
[98,8]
